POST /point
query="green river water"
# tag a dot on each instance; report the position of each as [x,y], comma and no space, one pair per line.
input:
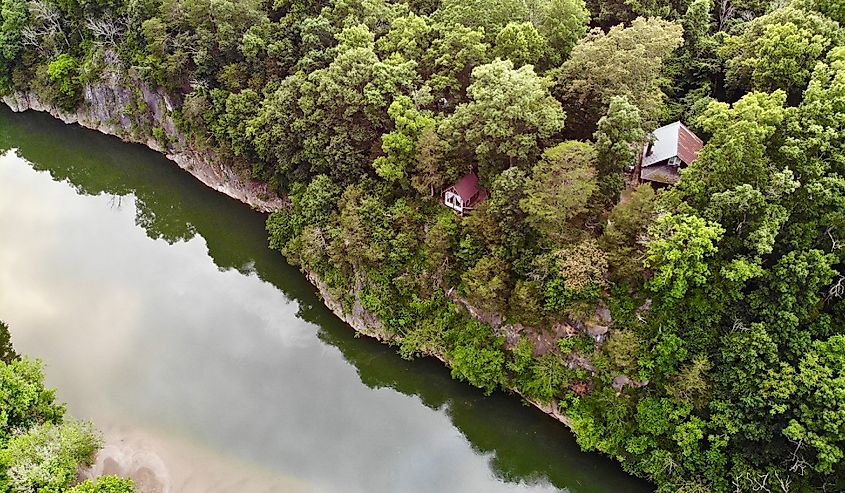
[162,315]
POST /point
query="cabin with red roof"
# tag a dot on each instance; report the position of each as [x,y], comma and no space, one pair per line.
[671,148]
[465,194]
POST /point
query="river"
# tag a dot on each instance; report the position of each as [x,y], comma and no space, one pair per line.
[211,365]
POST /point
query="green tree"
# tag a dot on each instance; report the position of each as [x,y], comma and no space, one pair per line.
[678,251]
[737,151]
[613,12]
[520,43]
[831,8]
[319,200]
[400,145]
[46,457]
[409,35]
[820,415]
[509,117]
[623,236]
[503,206]
[429,173]
[526,303]
[453,55]
[489,16]
[104,484]
[560,187]
[625,61]
[64,76]
[325,122]
[779,51]
[233,127]
[487,284]
[618,138]
[562,24]
[580,273]
[25,400]
[13,17]
[476,355]
[7,352]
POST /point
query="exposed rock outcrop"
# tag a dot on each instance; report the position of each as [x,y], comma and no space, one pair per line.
[359,318]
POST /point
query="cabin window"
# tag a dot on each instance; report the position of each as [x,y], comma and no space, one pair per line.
[454,200]
[674,161]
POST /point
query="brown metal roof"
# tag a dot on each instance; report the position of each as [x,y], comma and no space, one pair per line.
[669,141]
[467,187]
[689,145]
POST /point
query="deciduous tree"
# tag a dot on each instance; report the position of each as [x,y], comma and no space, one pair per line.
[560,187]
[625,61]
[509,117]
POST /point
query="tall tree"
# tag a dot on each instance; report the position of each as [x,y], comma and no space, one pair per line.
[400,145]
[737,150]
[13,17]
[509,117]
[561,186]
[520,43]
[625,61]
[562,23]
[624,237]
[779,51]
[618,138]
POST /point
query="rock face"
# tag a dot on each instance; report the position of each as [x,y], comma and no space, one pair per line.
[108,107]
[358,317]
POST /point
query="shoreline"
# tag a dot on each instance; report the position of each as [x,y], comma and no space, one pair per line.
[221,179]
[164,463]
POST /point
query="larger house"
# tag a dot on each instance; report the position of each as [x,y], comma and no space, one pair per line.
[465,194]
[671,148]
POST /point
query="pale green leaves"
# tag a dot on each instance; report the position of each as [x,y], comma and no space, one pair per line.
[779,50]
[678,253]
[519,43]
[46,457]
[400,145]
[625,61]
[820,420]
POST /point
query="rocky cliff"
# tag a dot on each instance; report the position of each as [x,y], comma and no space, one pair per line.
[111,105]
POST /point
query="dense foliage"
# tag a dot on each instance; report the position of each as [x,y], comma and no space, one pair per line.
[41,450]
[695,333]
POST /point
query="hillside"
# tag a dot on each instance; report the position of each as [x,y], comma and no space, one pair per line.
[694,331]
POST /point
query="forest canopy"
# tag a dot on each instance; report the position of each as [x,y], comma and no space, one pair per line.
[694,332]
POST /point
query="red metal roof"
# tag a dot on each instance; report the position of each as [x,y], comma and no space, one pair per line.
[688,145]
[669,141]
[467,187]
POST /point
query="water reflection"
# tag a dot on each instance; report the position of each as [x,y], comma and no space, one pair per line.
[522,446]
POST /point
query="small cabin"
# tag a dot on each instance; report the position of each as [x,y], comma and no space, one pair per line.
[670,148]
[465,194]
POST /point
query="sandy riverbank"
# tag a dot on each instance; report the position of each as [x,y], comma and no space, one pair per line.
[164,464]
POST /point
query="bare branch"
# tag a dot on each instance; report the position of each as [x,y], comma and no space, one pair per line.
[784,483]
[46,24]
[107,30]
[837,290]
[798,462]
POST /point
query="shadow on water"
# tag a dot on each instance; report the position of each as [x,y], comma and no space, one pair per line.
[523,444]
